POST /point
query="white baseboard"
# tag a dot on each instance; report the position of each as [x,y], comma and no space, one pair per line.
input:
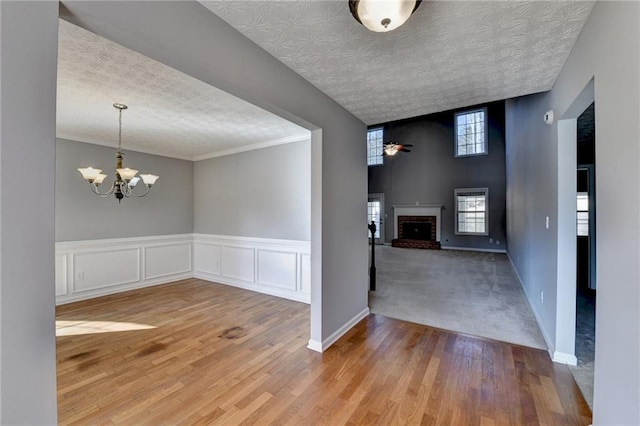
[120,289]
[297,296]
[474,249]
[326,343]
[564,358]
[314,345]
[550,344]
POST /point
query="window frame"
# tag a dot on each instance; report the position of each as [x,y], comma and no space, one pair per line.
[462,191]
[381,163]
[486,132]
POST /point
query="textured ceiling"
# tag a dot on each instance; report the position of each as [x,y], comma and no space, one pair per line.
[169,112]
[449,54]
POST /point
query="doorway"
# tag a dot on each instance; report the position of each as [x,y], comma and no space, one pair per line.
[585,253]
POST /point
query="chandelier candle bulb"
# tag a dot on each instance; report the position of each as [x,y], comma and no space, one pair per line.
[99,179]
[89,173]
[148,179]
[127,174]
[134,182]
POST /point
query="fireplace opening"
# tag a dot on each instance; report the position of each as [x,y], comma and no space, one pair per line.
[416,230]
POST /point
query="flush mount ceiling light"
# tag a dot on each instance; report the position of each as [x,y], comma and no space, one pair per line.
[382,15]
[125,178]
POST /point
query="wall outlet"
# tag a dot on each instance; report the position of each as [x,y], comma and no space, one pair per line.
[80,276]
[542,297]
[490,240]
[546,222]
[497,242]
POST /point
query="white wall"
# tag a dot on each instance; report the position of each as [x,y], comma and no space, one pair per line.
[189,38]
[608,51]
[264,193]
[29,34]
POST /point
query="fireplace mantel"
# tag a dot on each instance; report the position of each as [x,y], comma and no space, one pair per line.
[417,210]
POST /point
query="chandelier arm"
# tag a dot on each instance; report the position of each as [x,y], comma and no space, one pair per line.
[125,189]
[132,194]
[94,189]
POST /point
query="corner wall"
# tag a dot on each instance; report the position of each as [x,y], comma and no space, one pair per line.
[607,50]
[264,193]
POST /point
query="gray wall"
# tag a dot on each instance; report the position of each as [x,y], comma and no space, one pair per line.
[608,51]
[189,38]
[27,158]
[264,193]
[430,173]
[82,215]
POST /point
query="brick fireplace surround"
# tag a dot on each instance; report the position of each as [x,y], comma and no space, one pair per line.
[402,242]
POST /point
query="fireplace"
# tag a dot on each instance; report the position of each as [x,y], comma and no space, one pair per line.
[417,230]
[417,227]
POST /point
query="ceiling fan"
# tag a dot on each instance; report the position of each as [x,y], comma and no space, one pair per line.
[391,148]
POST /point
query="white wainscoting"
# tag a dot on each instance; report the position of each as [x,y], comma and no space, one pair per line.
[86,269]
[276,267]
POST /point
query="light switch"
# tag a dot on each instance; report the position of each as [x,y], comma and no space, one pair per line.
[546,222]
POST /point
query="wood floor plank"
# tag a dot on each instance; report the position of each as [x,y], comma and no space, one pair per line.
[195,352]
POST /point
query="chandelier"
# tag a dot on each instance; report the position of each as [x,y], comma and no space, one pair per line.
[125,178]
[382,15]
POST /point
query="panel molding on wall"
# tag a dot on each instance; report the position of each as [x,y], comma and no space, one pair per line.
[276,267]
[87,269]
[93,268]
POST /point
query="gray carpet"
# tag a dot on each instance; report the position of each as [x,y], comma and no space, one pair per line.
[467,292]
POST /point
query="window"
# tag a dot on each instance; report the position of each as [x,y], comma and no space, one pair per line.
[472,211]
[373,214]
[471,133]
[374,146]
[582,217]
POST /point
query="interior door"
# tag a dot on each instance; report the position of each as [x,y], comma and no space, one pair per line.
[375,212]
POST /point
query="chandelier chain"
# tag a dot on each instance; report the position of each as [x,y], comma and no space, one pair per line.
[120,130]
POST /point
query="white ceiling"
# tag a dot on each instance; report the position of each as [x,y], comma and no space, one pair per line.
[449,54]
[169,113]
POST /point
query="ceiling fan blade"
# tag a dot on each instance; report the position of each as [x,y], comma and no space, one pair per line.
[407,144]
[405,150]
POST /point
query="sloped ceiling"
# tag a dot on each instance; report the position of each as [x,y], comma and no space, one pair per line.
[449,54]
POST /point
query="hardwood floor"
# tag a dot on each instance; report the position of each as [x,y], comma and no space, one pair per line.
[194,352]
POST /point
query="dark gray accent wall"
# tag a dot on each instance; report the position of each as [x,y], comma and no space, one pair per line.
[430,173]
[82,215]
[265,193]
